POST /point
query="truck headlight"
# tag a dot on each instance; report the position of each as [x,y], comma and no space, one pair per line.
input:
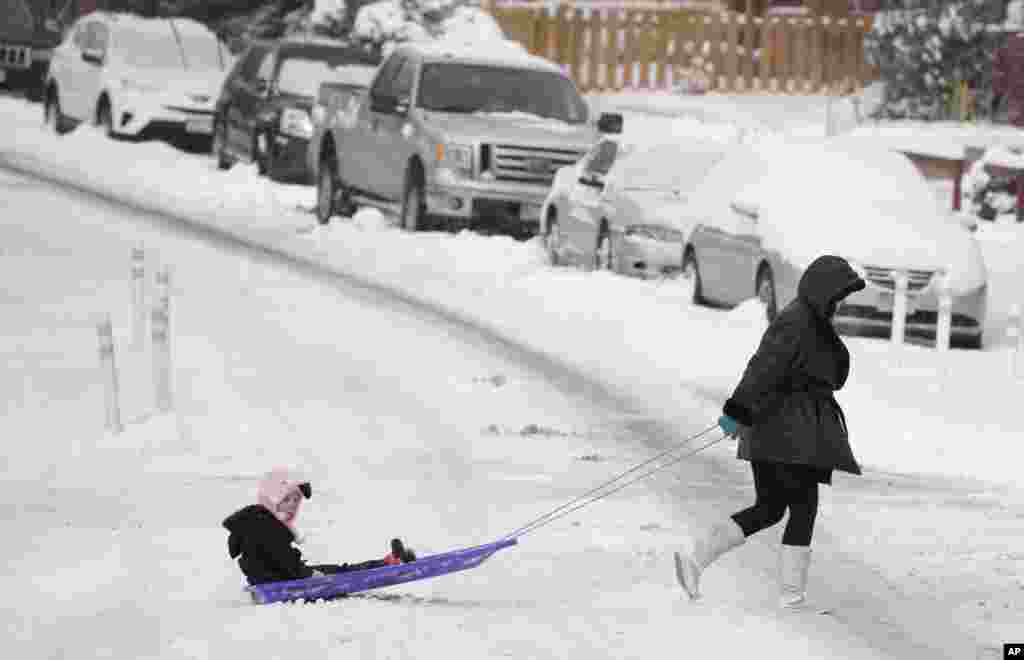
[296,123]
[456,157]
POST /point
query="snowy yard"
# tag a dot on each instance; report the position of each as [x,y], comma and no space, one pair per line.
[912,411]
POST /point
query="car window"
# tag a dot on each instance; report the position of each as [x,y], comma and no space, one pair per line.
[302,71]
[383,85]
[499,90]
[677,166]
[202,50]
[404,80]
[155,47]
[601,159]
[80,34]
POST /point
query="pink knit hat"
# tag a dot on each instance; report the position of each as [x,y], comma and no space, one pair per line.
[282,493]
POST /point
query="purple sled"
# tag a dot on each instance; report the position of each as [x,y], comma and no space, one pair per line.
[332,586]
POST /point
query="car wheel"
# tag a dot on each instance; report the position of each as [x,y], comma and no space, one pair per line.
[53,115]
[553,239]
[604,256]
[414,210]
[220,140]
[326,192]
[691,275]
[766,292]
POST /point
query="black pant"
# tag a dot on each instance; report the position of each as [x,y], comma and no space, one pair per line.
[332,569]
[780,486]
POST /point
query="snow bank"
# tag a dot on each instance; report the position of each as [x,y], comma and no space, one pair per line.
[641,336]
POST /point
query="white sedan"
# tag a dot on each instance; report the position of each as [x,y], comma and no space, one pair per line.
[763,214]
[129,75]
[620,208]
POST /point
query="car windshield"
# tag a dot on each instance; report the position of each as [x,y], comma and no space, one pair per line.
[302,72]
[203,51]
[154,47]
[666,167]
[470,88]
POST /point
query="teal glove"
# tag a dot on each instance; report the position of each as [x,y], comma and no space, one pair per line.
[729,426]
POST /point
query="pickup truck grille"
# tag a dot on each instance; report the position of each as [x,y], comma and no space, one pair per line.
[15,57]
[508,162]
[886,278]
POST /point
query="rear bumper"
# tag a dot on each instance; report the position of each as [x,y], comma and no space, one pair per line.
[864,313]
[648,258]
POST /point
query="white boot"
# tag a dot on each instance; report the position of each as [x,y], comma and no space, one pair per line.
[794,561]
[721,538]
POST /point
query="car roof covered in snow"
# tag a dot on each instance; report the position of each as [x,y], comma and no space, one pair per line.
[157,26]
[297,46]
[492,53]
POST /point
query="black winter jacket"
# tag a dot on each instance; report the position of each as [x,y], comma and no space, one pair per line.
[263,545]
[785,396]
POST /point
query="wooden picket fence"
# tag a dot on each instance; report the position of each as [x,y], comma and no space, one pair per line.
[654,48]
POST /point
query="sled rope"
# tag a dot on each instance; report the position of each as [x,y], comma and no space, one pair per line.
[595,494]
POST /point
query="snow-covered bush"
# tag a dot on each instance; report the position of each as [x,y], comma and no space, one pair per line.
[924,53]
[389,22]
[987,196]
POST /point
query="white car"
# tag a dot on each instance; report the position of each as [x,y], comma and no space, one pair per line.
[620,208]
[133,75]
[762,214]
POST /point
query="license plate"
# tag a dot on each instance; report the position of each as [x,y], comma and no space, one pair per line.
[204,125]
[529,212]
[887,301]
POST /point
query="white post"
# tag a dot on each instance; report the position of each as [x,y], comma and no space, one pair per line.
[105,332]
[161,336]
[138,297]
[944,325]
[899,306]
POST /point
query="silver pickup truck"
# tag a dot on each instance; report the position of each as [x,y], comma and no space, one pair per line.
[456,136]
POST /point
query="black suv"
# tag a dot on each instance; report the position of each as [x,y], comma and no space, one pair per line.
[263,113]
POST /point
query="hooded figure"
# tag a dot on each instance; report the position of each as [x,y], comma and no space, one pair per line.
[790,428]
[262,535]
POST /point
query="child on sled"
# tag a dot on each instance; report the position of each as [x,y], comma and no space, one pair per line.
[262,535]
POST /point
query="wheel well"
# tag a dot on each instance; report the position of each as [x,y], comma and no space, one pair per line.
[761,269]
[51,90]
[688,252]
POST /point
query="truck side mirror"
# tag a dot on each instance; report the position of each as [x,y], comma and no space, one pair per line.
[610,122]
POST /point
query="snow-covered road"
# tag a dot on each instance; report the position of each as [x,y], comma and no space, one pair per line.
[407,425]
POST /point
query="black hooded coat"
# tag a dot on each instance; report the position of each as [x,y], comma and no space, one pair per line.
[785,397]
[263,546]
